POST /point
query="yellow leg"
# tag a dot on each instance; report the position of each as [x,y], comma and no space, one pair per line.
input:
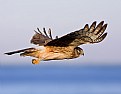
[35,61]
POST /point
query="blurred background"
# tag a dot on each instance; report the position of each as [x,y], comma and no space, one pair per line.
[99,71]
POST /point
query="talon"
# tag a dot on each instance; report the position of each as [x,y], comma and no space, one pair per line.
[35,61]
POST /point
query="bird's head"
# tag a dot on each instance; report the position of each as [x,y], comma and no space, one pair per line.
[79,51]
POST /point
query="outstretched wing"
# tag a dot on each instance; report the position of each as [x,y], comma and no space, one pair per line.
[41,38]
[93,34]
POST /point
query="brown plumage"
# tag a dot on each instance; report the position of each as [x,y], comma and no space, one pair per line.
[65,47]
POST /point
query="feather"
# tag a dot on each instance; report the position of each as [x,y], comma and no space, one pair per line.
[94,34]
[40,38]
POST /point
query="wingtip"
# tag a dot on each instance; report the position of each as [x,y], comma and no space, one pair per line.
[105,25]
[39,30]
[86,27]
[103,36]
[44,29]
[102,22]
[7,54]
[94,22]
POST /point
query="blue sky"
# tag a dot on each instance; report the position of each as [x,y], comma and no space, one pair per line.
[18,19]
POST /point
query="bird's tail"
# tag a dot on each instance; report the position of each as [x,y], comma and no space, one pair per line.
[27,50]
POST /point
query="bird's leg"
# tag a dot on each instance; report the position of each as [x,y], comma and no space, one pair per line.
[36,61]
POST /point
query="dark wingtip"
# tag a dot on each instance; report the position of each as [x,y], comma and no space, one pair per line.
[8,53]
[94,22]
[39,30]
[86,27]
[103,36]
[92,27]
[105,25]
[102,22]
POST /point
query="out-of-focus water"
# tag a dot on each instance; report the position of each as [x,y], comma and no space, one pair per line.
[60,79]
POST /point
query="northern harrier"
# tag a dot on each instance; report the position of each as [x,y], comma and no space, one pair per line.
[65,47]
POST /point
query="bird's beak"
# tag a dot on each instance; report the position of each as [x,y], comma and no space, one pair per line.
[83,54]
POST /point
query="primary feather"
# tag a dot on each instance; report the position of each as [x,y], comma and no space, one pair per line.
[92,34]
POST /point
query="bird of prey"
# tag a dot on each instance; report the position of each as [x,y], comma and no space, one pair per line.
[65,47]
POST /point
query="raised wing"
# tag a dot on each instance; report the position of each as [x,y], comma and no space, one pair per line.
[41,38]
[93,34]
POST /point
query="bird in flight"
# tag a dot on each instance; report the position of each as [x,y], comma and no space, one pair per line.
[65,47]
